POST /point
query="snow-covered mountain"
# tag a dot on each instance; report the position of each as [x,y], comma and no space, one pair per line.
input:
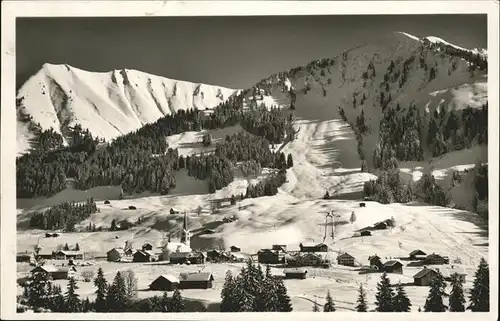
[109,104]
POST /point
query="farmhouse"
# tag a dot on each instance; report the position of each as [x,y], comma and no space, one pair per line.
[375,261]
[235,249]
[66,255]
[362,204]
[417,255]
[295,273]
[173,247]
[424,277]
[144,256]
[54,272]
[380,225]
[221,202]
[187,258]
[201,280]
[267,256]
[115,254]
[147,246]
[365,233]
[448,272]
[46,255]
[165,282]
[393,266]
[174,211]
[313,247]
[436,259]
[345,259]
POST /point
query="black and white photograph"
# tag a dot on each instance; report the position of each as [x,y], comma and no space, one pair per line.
[170,161]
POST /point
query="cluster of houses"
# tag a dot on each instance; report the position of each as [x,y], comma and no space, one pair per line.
[50,255]
[307,256]
[56,272]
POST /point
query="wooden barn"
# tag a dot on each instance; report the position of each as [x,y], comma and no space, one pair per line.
[365,233]
[393,266]
[417,255]
[424,277]
[375,261]
[67,255]
[235,249]
[144,256]
[218,256]
[345,259]
[201,280]
[174,211]
[165,282]
[187,258]
[115,254]
[436,259]
[46,255]
[55,273]
[295,273]
[267,256]
[313,247]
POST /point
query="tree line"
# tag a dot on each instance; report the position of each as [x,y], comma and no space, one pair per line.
[63,216]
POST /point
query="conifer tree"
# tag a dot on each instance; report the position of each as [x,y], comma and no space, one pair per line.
[72,299]
[329,305]
[117,295]
[77,247]
[227,294]
[176,303]
[165,302]
[457,299]
[86,306]
[36,289]
[384,295]
[102,287]
[66,247]
[353,217]
[289,161]
[362,306]
[270,297]
[434,302]
[315,307]
[480,292]
[401,302]
[284,301]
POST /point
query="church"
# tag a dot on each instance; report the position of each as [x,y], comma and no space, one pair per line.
[184,246]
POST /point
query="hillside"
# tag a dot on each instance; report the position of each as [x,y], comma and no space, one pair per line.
[108,104]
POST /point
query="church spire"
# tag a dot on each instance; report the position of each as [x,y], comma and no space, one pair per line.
[185,225]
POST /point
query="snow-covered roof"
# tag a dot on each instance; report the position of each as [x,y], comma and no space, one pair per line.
[193,277]
[169,277]
[174,246]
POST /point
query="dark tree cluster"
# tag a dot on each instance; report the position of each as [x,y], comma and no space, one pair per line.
[219,171]
[63,216]
[47,140]
[267,187]
[254,290]
[399,139]
[475,60]
[454,130]
[431,192]
[388,188]
[388,300]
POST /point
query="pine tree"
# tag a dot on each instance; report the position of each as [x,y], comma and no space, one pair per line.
[113,225]
[364,166]
[86,306]
[227,294]
[117,295]
[329,305]
[102,286]
[361,307]
[456,299]
[384,295]
[36,289]
[315,307]
[177,304]
[66,247]
[480,292]
[289,161]
[401,302]
[269,296]
[77,247]
[72,299]
[353,217]
[434,302]
[284,304]
[165,302]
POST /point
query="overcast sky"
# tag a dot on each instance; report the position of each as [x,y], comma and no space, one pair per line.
[234,52]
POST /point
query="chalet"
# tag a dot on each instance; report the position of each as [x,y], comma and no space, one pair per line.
[295,273]
[362,204]
[417,255]
[165,282]
[46,255]
[174,211]
[66,255]
[54,272]
[218,256]
[279,247]
[365,233]
[143,256]
[235,249]
[313,247]
[106,202]
[115,254]
[267,256]
[393,266]
[310,259]
[345,259]
[187,258]
[147,246]
[24,257]
[435,259]
[448,272]
[375,261]
[380,225]
[201,280]
[424,277]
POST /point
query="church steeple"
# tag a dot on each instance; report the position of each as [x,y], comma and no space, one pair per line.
[186,235]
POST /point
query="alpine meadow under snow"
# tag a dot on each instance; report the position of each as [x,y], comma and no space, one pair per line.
[350,117]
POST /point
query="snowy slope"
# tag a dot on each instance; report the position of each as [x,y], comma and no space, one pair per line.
[108,104]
